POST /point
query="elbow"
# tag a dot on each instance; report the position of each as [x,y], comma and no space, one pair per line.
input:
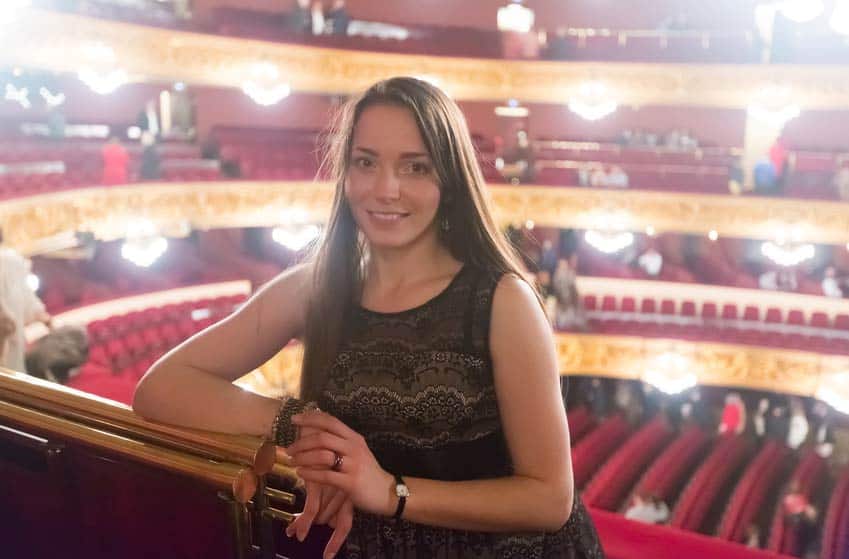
[561,504]
[143,399]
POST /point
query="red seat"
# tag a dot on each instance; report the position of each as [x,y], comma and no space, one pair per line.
[729,311]
[629,304]
[667,306]
[709,311]
[608,303]
[820,320]
[773,316]
[796,317]
[688,308]
[648,306]
[752,313]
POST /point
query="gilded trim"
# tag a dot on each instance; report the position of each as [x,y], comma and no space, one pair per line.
[30,223]
[55,41]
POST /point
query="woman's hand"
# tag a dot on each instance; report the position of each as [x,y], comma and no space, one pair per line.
[360,476]
[324,505]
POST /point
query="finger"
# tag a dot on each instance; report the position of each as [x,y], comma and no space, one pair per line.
[322,440]
[340,480]
[330,509]
[315,458]
[340,533]
[301,527]
[325,422]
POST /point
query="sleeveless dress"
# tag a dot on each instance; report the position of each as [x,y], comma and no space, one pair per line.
[418,384]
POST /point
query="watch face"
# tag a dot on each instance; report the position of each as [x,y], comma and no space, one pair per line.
[402,491]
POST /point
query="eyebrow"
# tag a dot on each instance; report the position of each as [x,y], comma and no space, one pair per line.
[405,155]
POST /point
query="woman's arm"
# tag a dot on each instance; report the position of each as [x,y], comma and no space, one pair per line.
[538,497]
[191,386]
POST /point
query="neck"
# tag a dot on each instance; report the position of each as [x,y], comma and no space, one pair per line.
[394,267]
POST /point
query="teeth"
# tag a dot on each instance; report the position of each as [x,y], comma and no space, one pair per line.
[387,216]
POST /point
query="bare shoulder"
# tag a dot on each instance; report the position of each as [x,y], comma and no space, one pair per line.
[512,293]
[517,317]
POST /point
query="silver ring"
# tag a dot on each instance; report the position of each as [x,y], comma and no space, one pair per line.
[337,462]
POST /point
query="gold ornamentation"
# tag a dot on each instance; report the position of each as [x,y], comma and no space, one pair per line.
[54,41]
[29,223]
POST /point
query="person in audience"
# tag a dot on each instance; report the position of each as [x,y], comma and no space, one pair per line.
[650,509]
[766,179]
[150,161]
[410,223]
[598,177]
[318,22]
[338,18]
[778,423]
[733,418]
[822,430]
[616,178]
[841,181]
[759,418]
[19,307]
[595,396]
[779,157]
[56,356]
[300,18]
[830,284]
[569,313]
[548,256]
[116,162]
[753,536]
[700,411]
[798,429]
[584,173]
[651,262]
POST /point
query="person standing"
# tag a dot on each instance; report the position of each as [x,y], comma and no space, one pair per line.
[116,161]
[19,307]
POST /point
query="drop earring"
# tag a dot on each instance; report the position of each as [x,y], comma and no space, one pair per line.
[446,227]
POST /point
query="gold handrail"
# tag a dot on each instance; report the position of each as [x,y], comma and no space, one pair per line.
[100,413]
[240,480]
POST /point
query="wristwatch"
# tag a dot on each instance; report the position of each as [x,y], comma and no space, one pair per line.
[402,492]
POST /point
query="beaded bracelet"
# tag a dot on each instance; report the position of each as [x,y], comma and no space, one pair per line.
[283,432]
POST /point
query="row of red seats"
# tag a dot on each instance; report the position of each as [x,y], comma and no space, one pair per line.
[596,447]
[835,540]
[752,492]
[692,511]
[609,486]
[711,311]
[810,477]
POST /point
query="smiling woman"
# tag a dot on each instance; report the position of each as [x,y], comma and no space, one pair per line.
[442,431]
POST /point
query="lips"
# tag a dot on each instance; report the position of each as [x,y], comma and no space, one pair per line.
[387,217]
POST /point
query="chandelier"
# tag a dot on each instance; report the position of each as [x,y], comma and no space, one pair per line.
[100,72]
[801,11]
[834,391]
[609,242]
[773,106]
[788,254]
[839,21]
[515,17]
[264,86]
[671,373]
[11,10]
[592,101]
[143,245]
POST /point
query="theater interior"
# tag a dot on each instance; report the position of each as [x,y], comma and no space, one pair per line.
[681,167]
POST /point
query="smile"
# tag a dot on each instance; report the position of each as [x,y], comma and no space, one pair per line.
[387,216]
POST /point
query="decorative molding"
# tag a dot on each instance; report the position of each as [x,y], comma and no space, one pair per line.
[790,372]
[30,223]
[54,41]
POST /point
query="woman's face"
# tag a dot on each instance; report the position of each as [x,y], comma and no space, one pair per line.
[391,184]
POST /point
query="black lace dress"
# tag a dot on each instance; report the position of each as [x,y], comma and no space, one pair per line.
[418,385]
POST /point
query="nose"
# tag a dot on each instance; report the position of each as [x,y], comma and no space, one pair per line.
[387,186]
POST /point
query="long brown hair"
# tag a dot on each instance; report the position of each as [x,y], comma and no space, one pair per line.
[472,237]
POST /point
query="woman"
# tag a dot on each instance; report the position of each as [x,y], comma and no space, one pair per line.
[431,359]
